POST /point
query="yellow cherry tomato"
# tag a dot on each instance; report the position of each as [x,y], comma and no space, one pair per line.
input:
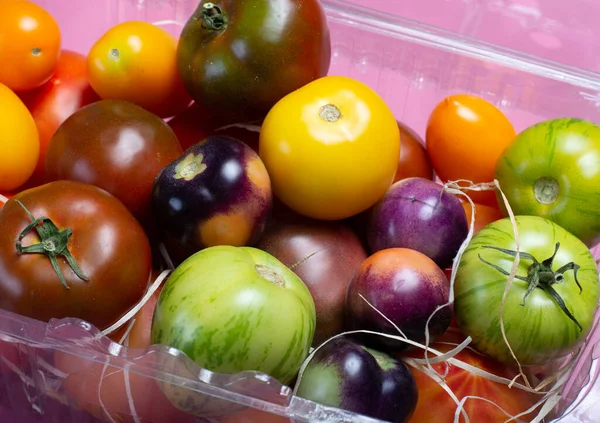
[331,148]
[19,141]
[136,61]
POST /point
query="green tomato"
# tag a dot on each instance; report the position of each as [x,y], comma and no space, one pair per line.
[552,170]
[540,330]
[232,309]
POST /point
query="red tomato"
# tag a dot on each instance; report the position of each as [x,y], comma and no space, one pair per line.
[464,383]
[52,103]
[483,215]
[109,279]
[414,160]
[193,125]
[465,137]
[249,134]
[3,199]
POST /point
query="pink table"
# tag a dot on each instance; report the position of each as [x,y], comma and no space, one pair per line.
[556,30]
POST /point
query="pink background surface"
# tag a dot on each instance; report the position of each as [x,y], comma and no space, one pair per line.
[562,31]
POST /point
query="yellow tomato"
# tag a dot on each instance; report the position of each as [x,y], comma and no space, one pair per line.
[136,61]
[19,142]
[331,148]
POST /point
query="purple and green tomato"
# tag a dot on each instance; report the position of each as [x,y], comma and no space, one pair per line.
[552,170]
[347,375]
[417,213]
[217,193]
[406,287]
[233,309]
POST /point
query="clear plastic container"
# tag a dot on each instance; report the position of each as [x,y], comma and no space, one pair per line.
[53,372]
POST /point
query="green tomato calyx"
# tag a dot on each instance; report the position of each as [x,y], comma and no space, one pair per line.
[53,243]
[213,17]
[541,275]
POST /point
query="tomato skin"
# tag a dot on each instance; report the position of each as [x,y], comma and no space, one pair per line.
[539,331]
[463,383]
[330,170]
[30,41]
[564,152]
[116,146]
[104,236]
[414,161]
[19,141]
[266,50]
[484,215]
[66,92]
[4,198]
[136,61]
[464,138]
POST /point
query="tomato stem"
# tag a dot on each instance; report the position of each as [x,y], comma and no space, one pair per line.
[541,275]
[53,243]
[213,17]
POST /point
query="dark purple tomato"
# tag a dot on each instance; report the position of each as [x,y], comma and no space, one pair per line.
[406,287]
[347,375]
[417,213]
[325,255]
[217,193]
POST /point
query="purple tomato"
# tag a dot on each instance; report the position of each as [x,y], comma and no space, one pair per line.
[417,213]
[347,375]
[406,287]
[217,193]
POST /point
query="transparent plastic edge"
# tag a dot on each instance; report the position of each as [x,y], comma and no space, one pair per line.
[403,28]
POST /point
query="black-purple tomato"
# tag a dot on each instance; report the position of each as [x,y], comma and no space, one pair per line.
[348,375]
[217,193]
[240,57]
[417,213]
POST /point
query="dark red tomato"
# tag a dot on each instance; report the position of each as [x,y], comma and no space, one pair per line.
[414,160]
[66,92]
[117,146]
[193,125]
[110,259]
[4,198]
[241,57]
[247,133]
[325,255]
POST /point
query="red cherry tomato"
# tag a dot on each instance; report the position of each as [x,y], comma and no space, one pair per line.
[414,161]
[51,104]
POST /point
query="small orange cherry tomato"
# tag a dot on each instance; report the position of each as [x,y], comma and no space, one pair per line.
[30,41]
[136,61]
[19,141]
[484,215]
[331,148]
[464,139]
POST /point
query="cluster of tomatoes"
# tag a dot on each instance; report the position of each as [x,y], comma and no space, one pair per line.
[152,152]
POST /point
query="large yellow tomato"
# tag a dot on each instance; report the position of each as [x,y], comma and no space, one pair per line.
[19,141]
[331,148]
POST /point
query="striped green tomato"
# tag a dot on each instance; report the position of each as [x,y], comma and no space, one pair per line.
[232,309]
[552,170]
[553,265]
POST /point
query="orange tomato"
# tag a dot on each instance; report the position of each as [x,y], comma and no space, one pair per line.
[414,161]
[464,139]
[30,41]
[464,383]
[19,141]
[51,104]
[484,215]
[136,61]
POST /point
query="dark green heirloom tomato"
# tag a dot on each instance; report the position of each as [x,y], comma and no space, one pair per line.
[239,57]
[552,170]
[550,306]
